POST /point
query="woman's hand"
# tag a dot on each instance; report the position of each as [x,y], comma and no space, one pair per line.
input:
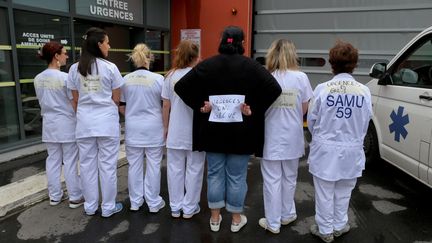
[245,109]
[206,108]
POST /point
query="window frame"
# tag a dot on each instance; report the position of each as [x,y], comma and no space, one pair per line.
[404,57]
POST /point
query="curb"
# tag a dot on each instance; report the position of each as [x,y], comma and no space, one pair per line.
[31,190]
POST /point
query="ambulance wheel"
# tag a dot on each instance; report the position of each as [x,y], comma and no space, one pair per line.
[370,144]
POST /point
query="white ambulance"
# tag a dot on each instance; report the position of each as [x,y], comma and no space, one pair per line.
[401,129]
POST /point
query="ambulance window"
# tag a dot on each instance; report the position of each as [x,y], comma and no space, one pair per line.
[415,70]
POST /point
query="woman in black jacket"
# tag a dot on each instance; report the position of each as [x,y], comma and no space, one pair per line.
[229,94]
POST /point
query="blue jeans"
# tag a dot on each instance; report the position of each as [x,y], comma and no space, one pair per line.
[226,181]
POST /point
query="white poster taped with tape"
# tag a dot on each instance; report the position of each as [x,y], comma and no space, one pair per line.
[226,108]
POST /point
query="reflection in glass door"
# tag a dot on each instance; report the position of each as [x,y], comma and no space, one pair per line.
[32,30]
[158,41]
[122,39]
[9,128]
[9,123]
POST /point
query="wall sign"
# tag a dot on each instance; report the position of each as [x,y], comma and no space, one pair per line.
[193,35]
[130,11]
[37,38]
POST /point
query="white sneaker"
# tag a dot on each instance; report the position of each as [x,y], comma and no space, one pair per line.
[54,203]
[215,226]
[158,207]
[324,237]
[263,223]
[344,230]
[117,208]
[135,208]
[57,202]
[237,227]
[91,213]
[288,220]
[76,203]
[176,214]
[190,215]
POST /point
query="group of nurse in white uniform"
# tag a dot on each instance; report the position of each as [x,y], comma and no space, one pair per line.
[338,118]
[147,127]
[81,122]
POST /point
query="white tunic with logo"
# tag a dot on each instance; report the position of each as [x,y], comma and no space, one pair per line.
[142,94]
[180,121]
[338,119]
[97,114]
[284,119]
[58,116]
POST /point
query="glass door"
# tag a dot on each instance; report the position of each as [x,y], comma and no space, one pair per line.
[9,123]
[32,30]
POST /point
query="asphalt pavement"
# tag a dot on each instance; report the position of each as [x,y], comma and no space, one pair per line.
[386,206]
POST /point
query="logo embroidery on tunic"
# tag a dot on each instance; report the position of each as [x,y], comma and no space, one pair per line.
[398,125]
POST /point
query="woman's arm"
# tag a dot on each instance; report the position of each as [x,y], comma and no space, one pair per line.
[166,108]
[313,112]
[116,96]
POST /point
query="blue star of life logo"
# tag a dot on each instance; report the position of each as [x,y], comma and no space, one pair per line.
[398,125]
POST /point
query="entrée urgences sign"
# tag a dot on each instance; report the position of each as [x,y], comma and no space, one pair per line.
[130,11]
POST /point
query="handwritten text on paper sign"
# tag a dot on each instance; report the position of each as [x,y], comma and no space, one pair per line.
[226,108]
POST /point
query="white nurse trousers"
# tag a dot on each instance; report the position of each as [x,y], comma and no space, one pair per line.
[98,159]
[280,180]
[331,203]
[147,186]
[185,170]
[66,153]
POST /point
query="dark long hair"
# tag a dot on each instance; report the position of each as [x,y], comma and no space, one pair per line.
[232,41]
[49,50]
[90,49]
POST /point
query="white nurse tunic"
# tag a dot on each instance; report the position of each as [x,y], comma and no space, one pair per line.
[58,133]
[185,168]
[143,135]
[97,132]
[283,146]
[338,120]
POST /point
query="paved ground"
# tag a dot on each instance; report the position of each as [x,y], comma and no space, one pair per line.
[21,168]
[387,206]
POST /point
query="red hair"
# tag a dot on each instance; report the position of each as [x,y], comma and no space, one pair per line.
[343,57]
[48,51]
